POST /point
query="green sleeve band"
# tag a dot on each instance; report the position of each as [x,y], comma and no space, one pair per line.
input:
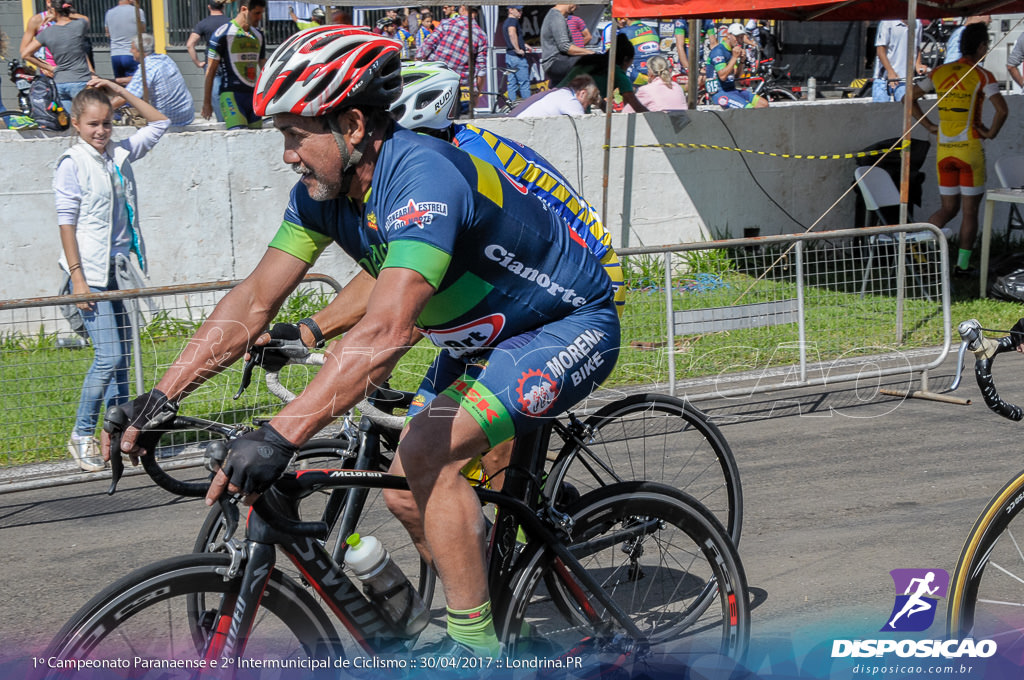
[428,260]
[305,244]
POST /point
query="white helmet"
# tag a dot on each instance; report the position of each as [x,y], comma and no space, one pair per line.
[430,96]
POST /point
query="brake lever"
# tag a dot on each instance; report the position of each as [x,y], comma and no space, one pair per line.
[114,424]
[250,364]
[971,338]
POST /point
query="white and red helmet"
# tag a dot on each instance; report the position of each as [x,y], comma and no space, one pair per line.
[325,68]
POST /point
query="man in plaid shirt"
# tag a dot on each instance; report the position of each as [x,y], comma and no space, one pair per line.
[450,44]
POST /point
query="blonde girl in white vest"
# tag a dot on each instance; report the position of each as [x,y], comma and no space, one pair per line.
[97,210]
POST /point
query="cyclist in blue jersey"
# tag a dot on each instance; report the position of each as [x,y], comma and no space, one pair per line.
[450,246]
[724,62]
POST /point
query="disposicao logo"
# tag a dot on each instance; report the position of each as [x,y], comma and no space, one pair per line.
[918,592]
[917,595]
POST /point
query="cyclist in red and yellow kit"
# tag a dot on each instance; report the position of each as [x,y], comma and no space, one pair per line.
[962,87]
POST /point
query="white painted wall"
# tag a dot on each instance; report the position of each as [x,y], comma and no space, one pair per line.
[211,200]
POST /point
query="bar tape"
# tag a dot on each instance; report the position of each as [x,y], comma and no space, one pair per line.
[714,147]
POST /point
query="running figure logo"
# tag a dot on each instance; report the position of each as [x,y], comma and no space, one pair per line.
[917,596]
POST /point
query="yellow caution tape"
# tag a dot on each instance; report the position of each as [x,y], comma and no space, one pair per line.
[806,157]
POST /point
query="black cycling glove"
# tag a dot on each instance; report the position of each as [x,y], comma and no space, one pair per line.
[285,344]
[256,459]
[149,413]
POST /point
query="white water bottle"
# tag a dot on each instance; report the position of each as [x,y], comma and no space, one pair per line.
[385,584]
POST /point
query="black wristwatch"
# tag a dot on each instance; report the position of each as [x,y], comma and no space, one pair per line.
[318,335]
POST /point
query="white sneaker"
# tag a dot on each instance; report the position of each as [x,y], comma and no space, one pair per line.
[86,452]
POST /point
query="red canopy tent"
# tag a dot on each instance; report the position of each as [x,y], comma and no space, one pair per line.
[809,10]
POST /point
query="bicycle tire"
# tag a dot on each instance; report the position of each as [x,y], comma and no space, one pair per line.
[675,548]
[775,94]
[988,583]
[658,438]
[136,617]
[933,52]
[374,520]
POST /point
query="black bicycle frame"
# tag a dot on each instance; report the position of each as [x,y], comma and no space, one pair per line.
[298,540]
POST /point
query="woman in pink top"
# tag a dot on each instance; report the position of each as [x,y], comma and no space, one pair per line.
[661,93]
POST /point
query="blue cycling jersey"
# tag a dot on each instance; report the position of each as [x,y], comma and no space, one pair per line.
[717,60]
[501,261]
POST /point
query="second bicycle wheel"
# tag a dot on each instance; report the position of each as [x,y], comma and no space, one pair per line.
[986,597]
[143,619]
[654,552]
[658,438]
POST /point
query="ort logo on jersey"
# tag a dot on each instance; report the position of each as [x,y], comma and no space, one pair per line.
[420,214]
[468,337]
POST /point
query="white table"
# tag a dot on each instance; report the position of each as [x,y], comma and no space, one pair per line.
[993,196]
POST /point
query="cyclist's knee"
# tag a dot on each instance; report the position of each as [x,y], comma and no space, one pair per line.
[402,505]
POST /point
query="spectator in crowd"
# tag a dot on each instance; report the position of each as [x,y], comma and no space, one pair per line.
[97,210]
[387,27]
[558,54]
[66,40]
[724,64]
[447,12]
[341,16]
[953,52]
[237,51]
[318,17]
[596,66]
[890,83]
[168,92]
[661,93]
[681,35]
[578,31]
[962,88]
[120,25]
[449,43]
[1013,62]
[406,36]
[200,36]
[646,44]
[425,28]
[573,100]
[515,55]
[37,22]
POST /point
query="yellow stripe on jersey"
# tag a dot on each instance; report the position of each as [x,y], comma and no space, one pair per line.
[487,182]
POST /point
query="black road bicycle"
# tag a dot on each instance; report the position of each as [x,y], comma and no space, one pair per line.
[628,570]
[986,598]
[649,436]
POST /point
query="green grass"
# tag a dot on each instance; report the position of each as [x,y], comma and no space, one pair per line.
[42,382]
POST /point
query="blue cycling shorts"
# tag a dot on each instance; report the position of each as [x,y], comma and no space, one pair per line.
[513,388]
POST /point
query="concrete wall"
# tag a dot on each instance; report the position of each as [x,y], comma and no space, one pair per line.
[210,199]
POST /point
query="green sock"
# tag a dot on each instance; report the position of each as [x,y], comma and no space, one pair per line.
[475,629]
[963,259]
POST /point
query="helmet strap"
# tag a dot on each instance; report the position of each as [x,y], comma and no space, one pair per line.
[349,160]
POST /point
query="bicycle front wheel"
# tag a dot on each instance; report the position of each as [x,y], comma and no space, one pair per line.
[658,438]
[986,599]
[144,619]
[658,554]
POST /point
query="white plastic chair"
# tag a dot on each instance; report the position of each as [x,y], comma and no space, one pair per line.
[1010,173]
[879,191]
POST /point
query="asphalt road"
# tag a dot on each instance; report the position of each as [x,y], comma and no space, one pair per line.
[841,485]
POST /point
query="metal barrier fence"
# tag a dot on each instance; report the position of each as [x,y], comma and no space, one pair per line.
[748,315]
[721,318]
[43,363]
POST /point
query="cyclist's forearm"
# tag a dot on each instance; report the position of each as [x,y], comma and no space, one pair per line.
[362,360]
[345,310]
[235,323]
